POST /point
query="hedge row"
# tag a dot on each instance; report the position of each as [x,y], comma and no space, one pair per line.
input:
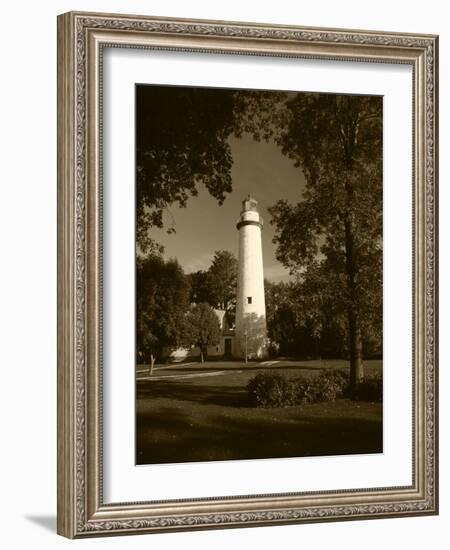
[271,389]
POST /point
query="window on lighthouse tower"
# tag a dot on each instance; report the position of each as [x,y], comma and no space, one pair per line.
[249,299]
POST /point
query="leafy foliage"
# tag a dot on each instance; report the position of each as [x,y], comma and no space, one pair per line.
[223,279]
[333,237]
[270,389]
[200,287]
[217,286]
[181,142]
[201,328]
[162,298]
[370,389]
[300,323]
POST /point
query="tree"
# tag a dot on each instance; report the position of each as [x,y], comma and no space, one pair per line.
[223,279]
[335,232]
[202,328]
[322,310]
[162,299]
[281,317]
[292,329]
[332,239]
[181,142]
[200,287]
[217,286]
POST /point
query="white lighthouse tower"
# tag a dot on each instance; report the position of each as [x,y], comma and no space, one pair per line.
[251,333]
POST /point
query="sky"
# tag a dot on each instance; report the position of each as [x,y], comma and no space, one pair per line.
[204,227]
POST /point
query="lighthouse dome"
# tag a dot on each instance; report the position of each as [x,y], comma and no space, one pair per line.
[249,204]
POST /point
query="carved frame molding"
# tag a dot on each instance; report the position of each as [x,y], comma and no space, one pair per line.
[81,38]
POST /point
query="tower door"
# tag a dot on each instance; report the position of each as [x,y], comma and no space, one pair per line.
[228,347]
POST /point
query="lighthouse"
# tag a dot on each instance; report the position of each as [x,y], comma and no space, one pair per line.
[251,332]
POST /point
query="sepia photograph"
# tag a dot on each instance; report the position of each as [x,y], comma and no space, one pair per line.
[247,274]
[259,274]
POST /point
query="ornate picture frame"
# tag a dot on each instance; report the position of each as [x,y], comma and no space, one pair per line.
[82,511]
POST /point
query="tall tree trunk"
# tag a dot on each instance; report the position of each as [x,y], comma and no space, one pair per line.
[202,359]
[355,347]
[354,326]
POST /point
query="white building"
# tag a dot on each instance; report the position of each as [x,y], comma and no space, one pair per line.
[251,332]
[248,338]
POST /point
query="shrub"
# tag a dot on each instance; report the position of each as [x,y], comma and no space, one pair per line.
[370,389]
[332,384]
[270,389]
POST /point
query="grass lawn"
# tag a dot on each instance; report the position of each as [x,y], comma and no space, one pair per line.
[201,412]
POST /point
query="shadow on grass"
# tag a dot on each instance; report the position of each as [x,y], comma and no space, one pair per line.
[183,391]
[171,436]
[227,390]
[212,418]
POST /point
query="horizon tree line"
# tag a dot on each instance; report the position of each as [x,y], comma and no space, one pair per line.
[175,309]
